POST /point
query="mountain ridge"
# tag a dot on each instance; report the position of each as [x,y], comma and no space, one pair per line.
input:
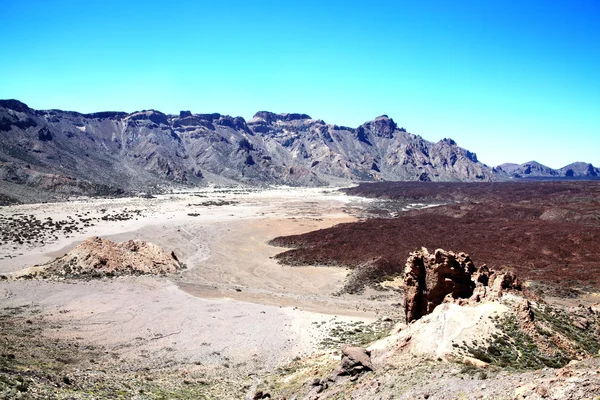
[67,153]
[534,169]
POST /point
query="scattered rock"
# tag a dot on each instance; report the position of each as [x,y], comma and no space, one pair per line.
[580,323]
[475,362]
[258,395]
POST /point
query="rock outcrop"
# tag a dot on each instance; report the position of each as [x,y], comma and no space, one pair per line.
[97,258]
[355,362]
[431,279]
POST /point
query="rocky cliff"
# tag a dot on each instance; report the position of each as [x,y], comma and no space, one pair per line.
[106,152]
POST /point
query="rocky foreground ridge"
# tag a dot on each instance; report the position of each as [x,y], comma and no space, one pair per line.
[107,153]
[470,333]
[485,339]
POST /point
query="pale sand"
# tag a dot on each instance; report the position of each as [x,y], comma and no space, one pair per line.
[270,318]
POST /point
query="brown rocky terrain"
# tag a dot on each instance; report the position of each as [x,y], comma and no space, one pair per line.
[97,258]
[511,344]
[547,232]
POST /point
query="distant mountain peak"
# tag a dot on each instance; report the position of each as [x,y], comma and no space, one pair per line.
[270,117]
[448,141]
[534,169]
[382,126]
[580,168]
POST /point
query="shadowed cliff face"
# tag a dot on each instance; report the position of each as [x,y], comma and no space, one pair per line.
[146,149]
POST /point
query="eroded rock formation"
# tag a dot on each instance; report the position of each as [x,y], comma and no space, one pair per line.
[431,279]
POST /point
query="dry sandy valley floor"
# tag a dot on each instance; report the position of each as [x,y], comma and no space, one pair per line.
[233,310]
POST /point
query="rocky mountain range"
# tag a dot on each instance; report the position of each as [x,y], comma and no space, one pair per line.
[536,170]
[50,153]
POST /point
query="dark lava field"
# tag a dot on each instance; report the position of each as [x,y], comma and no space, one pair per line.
[546,232]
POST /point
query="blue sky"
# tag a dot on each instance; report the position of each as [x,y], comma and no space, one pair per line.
[510,80]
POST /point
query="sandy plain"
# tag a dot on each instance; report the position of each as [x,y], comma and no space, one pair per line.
[234,305]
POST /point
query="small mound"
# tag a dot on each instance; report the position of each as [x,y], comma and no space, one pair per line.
[97,258]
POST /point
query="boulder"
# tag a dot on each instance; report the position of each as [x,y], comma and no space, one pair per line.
[355,361]
[501,282]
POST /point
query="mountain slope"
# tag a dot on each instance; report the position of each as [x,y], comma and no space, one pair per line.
[580,169]
[70,152]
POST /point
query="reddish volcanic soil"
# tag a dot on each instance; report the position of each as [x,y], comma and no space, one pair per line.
[547,232]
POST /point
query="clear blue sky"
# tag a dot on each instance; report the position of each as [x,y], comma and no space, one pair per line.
[511,80]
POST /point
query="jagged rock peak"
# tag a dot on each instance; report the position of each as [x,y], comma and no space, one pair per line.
[153,115]
[270,117]
[14,105]
[448,141]
[382,126]
[445,276]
